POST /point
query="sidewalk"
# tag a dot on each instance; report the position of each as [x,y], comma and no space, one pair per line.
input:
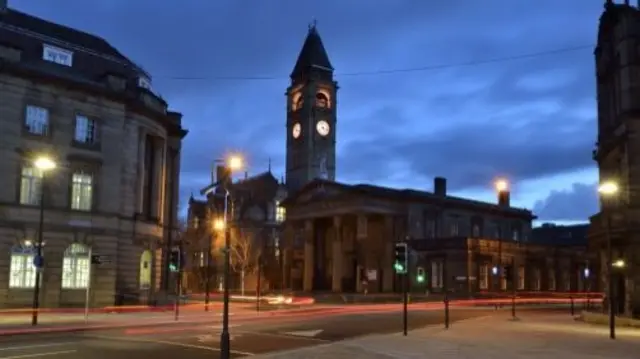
[531,337]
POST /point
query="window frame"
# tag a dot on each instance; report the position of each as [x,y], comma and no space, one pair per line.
[95,144]
[26,128]
[35,197]
[80,186]
[82,164]
[77,265]
[58,50]
[26,272]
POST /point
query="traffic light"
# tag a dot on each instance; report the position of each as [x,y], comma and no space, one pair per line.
[174,260]
[420,276]
[401,256]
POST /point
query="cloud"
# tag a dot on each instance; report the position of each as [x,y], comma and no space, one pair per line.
[575,204]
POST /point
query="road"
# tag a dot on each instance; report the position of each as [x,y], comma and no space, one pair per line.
[197,341]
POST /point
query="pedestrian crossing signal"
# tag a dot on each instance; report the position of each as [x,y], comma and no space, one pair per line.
[401,258]
[174,260]
[420,276]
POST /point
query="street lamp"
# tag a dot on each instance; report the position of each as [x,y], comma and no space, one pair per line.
[610,189]
[233,163]
[44,164]
[501,185]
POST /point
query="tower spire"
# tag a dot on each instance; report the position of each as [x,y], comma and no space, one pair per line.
[313,57]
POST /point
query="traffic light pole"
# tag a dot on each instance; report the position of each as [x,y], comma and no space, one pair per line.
[225,345]
[405,301]
[178,283]
[445,288]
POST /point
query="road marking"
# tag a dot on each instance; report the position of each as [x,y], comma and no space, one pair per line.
[305,333]
[37,346]
[178,344]
[287,336]
[212,338]
[39,354]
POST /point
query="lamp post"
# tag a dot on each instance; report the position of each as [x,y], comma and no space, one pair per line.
[233,163]
[609,190]
[44,164]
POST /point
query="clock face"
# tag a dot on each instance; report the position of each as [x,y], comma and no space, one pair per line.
[296,130]
[323,128]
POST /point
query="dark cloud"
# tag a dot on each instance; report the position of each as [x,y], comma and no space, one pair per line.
[575,204]
[468,123]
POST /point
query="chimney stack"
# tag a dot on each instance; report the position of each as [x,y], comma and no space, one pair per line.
[504,198]
[440,186]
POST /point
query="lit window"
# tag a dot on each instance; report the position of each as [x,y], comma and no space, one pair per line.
[86,130]
[30,185]
[57,55]
[281,212]
[145,269]
[521,278]
[36,120]
[82,191]
[483,276]
[75,267]
[22,273]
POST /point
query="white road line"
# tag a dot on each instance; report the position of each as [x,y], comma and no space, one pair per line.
[151,341]
[37,346]
[277,335]
[35,355]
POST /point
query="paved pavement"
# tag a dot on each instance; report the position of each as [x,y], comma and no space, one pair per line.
[201,340]
[486,337]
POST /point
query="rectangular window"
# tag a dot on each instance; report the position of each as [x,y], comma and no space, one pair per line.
[30,185]
[86,130]
[82,191]
[483,276]
[521,278]
[36,120]
[281,212]
[552,279]
[57,55]
[75,272]
[437,268]
[22,272]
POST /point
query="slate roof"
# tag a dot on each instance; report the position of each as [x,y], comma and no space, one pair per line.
[312,54]
[549,234]
[410,195]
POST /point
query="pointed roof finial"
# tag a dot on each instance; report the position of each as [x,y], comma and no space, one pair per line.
[269,164]
[313,24]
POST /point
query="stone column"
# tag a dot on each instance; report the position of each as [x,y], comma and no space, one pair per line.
[309,250]
[142,137]
[387,262]
[337,256]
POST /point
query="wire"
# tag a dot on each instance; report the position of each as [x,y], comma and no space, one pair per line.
[390,71]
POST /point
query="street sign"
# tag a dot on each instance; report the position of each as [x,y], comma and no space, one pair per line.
[100,259]
[38,261]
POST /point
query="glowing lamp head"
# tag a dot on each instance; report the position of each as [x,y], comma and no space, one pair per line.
[235,162]
[44,163]
[502,185]
[608,188]
[218,224]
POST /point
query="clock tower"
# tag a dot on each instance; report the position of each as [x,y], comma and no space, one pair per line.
[311,116]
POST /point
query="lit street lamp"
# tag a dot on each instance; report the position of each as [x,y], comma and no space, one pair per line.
[233,163]
[44,164]
[501,185]
[609,189]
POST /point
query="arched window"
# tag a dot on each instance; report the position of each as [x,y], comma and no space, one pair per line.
[322,100]
[75,267]
[22,272]
[145,269]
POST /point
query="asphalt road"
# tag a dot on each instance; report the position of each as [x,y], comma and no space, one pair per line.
[195,341]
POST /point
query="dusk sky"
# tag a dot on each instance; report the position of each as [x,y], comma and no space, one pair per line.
[427,88]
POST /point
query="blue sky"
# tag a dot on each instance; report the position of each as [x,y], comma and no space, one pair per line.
[462,116]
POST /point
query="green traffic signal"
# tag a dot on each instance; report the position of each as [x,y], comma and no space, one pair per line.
[420,278]
[173,267]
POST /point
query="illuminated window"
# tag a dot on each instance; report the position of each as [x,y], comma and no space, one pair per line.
[22,272]
[30,185]
[57,55]
[281,212]
[86,130]
[145,269]
[521,278]
[82,191]
[75,267]
[36,120]
[483,276]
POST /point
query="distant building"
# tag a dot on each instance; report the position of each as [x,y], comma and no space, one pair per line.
[255,220]
[74,98]
[340,237]
[617,65]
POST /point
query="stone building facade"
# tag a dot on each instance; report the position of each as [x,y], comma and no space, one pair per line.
[617,77]
[73,98]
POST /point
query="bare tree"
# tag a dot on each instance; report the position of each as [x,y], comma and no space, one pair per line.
[243,254]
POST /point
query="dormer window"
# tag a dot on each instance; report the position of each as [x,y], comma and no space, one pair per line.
[57,55]
[144,82]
